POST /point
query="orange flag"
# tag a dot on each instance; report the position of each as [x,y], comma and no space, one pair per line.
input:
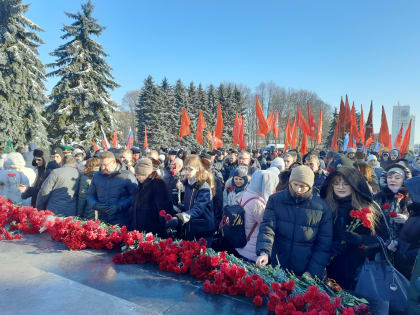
[146,145]
[369,136]
[406,140]
[185,124]
[287,134]
[219,123]
[301,121]
[304,144]
[263,126]
[384,132]
[311,122]
[293,133]
[351,143]
[215,142]
[275,123]
[397,142]
[362,126]
[270,120]
[95,146]
[334,140]
[319,131]
[201,125]
[115,139]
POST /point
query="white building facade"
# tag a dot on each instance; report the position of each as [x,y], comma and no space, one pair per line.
[401,115]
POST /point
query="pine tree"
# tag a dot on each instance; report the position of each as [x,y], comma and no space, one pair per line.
[333,123]
[22,77]
[181,100]
[81,102]
[211,107]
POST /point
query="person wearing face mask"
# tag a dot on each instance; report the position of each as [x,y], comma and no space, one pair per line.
[345,189]
[385,160]
[296,230]
[197,216]
[151,197]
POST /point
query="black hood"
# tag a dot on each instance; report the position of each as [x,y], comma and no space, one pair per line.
[42,153]
[413,187]
[340,160]
[353,178]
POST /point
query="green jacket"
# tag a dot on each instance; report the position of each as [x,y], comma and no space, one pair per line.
[414,290]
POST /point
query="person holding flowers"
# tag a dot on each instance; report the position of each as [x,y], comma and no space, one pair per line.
[357,221]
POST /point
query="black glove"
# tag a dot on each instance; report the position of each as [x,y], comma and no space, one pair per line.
[353,238]
[112,209]
[172,223]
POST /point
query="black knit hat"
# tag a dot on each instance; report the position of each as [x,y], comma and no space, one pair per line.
[353,177]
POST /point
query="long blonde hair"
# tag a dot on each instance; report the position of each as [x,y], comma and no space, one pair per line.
[356,201]
[202,175]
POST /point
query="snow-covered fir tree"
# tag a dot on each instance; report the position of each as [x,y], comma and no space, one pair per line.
[168,115]
[80,101]
[148,112]
[22,77]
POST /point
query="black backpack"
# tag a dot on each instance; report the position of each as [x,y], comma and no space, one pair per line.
[232,226]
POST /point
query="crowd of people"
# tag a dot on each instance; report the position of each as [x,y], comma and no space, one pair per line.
[297,209]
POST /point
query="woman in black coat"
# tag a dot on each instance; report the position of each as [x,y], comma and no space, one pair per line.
[344,190]
[152,196]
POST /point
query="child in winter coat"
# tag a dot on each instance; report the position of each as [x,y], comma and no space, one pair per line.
[234,192]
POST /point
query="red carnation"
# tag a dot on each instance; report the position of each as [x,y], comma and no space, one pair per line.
[257,300]
[392,214]
[365,210]
[362,246]
[162,213]
[399,196]
[168,217]
[11,175]
[386,206]
[214,261]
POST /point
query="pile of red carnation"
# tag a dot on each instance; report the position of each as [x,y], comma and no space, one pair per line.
[15,219]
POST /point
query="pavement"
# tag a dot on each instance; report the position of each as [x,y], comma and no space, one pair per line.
[40,276]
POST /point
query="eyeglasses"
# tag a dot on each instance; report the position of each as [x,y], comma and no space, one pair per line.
[344,185]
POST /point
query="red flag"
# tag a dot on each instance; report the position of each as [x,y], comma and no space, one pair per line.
[242,144]
[397,142]
[353,128]
[115,138]
[146,144]
[384,132]
[270,120]
[219,123]
[406,140]
[341,119]
[304,144]
[301,121]
[347,120]
[236,131]
[351,143]
[311,122]
[275,128]
[319,131]
[263,127]
[185,124]
[293,139]
[362,126]
[287,137]
[95,146]
[369,136]
[215,142]
[334,140]
[201,125]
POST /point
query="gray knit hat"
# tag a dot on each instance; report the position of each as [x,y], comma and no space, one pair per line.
[144,167]
[303,174]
